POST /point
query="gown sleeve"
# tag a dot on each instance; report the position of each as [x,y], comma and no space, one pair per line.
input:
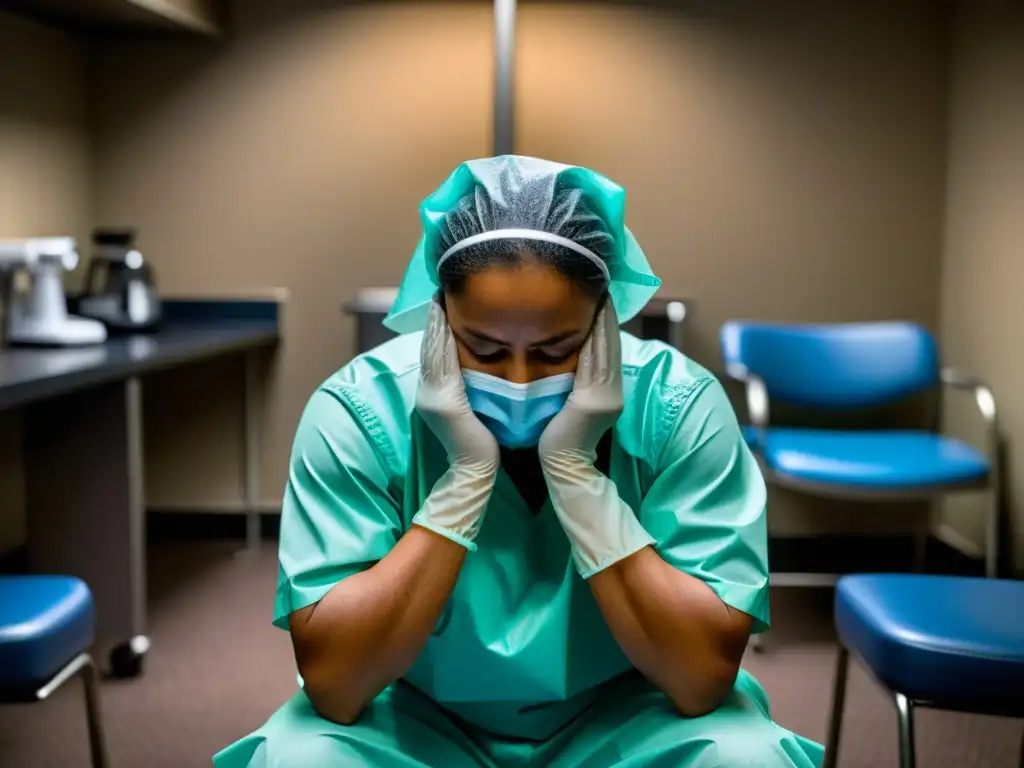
[337,517]
[706,505]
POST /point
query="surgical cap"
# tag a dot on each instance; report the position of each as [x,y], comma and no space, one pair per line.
[514,198]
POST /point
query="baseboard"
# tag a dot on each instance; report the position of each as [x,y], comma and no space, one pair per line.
[805,554]
[14,561]
[166,526]
[866,554]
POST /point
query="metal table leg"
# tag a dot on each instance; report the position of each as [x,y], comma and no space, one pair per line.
[84,493]
[250,451]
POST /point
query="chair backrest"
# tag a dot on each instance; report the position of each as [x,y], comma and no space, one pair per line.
[843,365]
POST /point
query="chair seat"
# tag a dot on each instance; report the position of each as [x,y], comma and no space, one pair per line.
[45,621]
[937,638]
[883,460]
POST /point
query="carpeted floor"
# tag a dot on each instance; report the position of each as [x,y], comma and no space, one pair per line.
[217,669]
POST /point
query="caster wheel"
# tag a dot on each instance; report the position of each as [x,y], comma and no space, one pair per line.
[126,659]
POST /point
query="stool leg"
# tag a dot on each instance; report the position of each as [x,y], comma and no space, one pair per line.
[838,698]
[97,744]
[905,711]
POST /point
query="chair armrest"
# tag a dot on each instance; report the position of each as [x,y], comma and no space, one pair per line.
[983,396]
[756,398]
[986,402]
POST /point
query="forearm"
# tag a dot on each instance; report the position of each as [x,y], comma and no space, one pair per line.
[674,629]
[368,630]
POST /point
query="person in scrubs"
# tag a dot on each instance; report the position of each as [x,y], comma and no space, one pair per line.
[515,535]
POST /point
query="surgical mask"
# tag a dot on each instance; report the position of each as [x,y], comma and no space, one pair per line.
[516,413]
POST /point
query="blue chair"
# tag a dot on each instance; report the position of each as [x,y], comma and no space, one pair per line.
[46,630]
[849,367]
[942,642]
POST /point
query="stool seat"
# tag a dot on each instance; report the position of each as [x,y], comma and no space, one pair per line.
[45,621]
[937,638]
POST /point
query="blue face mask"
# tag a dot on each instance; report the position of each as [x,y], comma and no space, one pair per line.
[516,413]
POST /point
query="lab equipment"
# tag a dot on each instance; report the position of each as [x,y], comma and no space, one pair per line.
[46,631]
[664,319]
[40,316]
[516,413]
[456,505]
[519,198]
[849,366]
[939,642]
[120,289]
[369,307]
[602,527]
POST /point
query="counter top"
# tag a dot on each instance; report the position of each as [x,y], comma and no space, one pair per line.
[29,374]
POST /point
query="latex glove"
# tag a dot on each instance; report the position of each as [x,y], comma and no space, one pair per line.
[601,527]
[456,505]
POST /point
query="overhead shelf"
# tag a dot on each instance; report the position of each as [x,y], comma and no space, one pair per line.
[192,16]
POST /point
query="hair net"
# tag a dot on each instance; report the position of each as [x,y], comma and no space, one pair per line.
[523,198]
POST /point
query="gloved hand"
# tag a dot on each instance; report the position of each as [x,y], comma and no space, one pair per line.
[455,507]
[601,527]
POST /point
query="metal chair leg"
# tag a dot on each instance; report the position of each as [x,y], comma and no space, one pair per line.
[905,712]
[994,503]
[992,540]
[838,699]
[1022,751]
[97,743]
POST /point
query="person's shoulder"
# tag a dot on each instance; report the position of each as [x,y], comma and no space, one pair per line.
[388,370]
[654,366]
[377,389]
[658,383]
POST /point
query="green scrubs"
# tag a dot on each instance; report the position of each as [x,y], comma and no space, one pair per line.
[521,669]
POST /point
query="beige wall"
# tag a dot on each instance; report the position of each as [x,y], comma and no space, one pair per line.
[983,260]
[784,160]
[783,163]
[294,155]
[44,182]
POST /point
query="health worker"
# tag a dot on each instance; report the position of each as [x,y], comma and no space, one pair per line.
[516,535]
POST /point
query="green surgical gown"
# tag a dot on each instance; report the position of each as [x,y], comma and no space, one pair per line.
[521,669]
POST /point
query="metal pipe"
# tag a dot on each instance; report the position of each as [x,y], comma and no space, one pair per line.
[504,76]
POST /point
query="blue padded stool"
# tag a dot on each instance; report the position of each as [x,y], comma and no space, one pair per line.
[943,642]
[46,630]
